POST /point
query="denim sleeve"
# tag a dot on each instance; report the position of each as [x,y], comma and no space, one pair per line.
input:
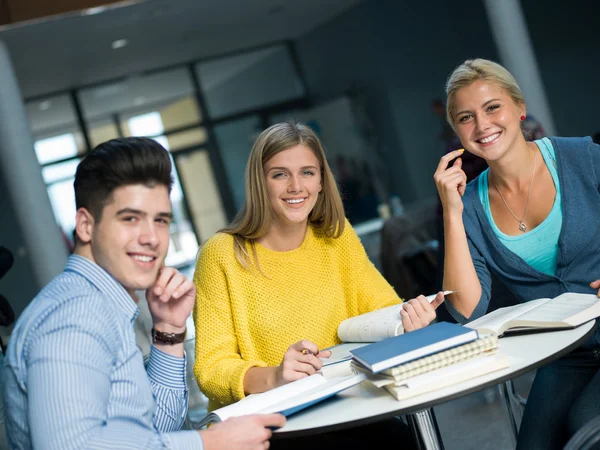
[485,280]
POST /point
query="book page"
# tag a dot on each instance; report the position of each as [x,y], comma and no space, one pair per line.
[372,326]
[450,375]
[563,308]
[340,353]
[256,402]
[496,320]
[316,394]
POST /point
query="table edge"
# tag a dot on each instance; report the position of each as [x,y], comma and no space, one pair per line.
[416,408]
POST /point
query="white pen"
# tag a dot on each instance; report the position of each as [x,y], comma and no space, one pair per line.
[431,297]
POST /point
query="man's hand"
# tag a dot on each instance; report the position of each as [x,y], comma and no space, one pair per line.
[418,312]
[171,300]
[242,433]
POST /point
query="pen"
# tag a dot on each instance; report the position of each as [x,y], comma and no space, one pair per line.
[432,296]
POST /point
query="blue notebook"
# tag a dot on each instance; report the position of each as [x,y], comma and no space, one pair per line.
[416,344]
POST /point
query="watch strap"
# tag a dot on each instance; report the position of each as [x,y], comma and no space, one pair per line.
[160,337]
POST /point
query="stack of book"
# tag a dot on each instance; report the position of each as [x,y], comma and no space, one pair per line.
[424,360]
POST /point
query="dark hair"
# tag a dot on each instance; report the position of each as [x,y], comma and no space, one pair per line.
[116,163]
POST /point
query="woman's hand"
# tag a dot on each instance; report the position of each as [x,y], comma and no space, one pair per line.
[418,312]
[451,182]
[300,360]
[596,285]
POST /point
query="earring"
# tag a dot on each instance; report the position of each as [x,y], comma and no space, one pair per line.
[522,117]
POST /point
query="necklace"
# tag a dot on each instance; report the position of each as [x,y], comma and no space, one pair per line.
[522,226]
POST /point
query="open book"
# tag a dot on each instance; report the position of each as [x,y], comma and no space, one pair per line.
[568,310]
[287,399]
[376,325]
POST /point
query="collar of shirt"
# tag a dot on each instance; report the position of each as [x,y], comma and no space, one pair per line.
[105,283]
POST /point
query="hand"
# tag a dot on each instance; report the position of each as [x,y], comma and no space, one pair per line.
[451,182]
[596,285]
[171,300]
[297,364]
[418,312]
[242,433]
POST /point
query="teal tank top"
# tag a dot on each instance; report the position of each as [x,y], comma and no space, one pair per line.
[538,247]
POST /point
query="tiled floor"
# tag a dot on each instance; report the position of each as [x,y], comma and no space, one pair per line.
[478,421]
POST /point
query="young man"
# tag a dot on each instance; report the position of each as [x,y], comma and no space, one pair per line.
[74,376]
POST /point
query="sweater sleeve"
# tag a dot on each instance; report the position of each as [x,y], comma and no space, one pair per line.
[371,288]
[219,368]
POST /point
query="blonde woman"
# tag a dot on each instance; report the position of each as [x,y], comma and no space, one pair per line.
[533,219]
[283,276]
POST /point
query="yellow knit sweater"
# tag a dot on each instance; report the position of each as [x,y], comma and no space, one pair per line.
[245,319]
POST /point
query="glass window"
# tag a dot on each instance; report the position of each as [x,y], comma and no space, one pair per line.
[184,244]
[55,148]
[102,130]
[53,118]
[60,171]
[171,93]
[235,140]
[59,178]
[249,81]
[51,115]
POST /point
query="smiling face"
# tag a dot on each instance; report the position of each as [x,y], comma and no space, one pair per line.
[131,239]
[486,119]
[293,179]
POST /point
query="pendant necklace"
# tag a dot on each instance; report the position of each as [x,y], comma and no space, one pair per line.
[522,226]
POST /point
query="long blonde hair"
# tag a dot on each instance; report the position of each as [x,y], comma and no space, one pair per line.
[480,69]
[256,216]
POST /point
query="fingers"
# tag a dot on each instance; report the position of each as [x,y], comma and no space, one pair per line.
[164,275]
[324,354]
[306,347]
[272,420]
[172,284]
[445,160]
[438,300]
[595,284]
[419,313]
[406,320]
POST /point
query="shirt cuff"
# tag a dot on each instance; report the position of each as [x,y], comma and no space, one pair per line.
[166,370]
[184,440]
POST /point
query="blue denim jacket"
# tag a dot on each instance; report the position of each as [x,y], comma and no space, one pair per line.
[578,262]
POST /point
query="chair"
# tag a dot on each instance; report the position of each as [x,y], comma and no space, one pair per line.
[587,437]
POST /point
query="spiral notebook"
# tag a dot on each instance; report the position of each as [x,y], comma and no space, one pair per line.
[484,345]
[448,376]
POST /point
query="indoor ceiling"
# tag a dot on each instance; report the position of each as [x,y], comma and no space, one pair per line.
[76,49]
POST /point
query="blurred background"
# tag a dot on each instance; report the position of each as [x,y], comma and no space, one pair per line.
[206,77]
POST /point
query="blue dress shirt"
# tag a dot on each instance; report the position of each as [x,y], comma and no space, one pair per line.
[75,378]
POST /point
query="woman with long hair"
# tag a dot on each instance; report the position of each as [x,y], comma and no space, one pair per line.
[273,287]
[533,219]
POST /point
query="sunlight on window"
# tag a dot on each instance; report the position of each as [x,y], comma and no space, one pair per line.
[184,244]
[60,171]
[55,148]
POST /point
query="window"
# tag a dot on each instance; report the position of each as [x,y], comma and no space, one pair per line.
[184,245]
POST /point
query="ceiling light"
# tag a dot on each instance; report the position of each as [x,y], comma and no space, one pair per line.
[45,105]
[119,43]
[94,10]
